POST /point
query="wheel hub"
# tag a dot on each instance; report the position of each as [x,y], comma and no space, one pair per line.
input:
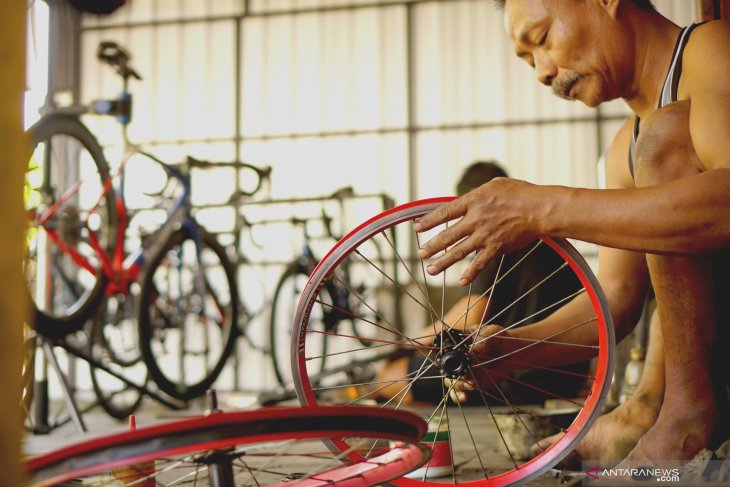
[453,357]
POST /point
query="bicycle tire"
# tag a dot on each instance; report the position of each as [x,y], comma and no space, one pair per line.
[505,471]
[161,307]
[28,370]
[77,292]
[117,399]
[280,318]
[218,433]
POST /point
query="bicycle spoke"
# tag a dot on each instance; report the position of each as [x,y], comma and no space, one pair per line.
[377,382]
[535,388]
[427,306]
[424,290]
[405,266]
[249,471]
[542,340]
[360,398]
[511,406]
[423,274]
[482,320]
[416,345]
[509,271]
[491,414]
[405,389]
[471,437]
[525,294]
[391,328]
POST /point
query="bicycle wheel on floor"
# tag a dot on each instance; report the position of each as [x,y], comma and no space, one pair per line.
[187,314]
[71,213]
[272,446]
[485,433]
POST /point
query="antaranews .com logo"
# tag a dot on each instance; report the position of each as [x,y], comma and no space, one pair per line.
[708,473]
[635,474]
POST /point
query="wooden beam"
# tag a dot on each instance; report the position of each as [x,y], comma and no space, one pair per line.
[12,228]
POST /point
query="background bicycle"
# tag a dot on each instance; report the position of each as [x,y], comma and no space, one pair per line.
[176,291]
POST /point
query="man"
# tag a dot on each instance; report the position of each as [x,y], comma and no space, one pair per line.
[594,51]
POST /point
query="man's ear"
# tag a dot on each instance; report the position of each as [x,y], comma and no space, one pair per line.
[610,6]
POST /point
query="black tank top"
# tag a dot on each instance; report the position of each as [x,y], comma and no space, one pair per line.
[669,90]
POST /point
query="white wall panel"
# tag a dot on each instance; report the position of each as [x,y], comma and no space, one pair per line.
[313,166]
[333,71]
[268,6]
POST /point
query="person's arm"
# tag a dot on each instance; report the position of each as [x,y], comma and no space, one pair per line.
[683,217]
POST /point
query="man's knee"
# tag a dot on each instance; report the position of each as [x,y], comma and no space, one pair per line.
[664,149]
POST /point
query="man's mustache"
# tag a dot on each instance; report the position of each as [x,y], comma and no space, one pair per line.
[561,86]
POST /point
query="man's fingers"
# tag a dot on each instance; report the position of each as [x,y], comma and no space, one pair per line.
[442,214]
[458,393]
[478,265]
[445,239]
[451,256]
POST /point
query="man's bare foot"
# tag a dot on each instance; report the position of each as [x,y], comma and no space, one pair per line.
[613,435]
[675,436]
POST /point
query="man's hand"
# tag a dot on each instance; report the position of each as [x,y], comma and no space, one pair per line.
[489,344]
[496,218]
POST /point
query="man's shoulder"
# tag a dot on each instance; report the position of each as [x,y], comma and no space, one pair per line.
[708,40]
[706,60]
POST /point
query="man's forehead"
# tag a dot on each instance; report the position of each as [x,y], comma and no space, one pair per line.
[522,15]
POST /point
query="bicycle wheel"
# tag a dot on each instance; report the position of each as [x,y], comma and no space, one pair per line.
[288,289]
[186,337]
[71,215]
[114,342]
[272,446]
[484,452]
[28,370]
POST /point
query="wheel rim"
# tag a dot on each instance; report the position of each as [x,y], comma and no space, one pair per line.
[57,163]
[276,442]
[282,310]
[184,348]
[114,343]
[321,389]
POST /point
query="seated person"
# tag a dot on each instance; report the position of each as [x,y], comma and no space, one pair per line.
[518,297]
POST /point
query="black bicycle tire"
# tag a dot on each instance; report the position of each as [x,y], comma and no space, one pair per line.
[111,408]
[145,327]
[293,269]
[55,327]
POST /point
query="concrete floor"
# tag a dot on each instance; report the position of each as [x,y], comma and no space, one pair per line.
[491,453]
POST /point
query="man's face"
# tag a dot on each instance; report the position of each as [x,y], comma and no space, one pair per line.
[571,44]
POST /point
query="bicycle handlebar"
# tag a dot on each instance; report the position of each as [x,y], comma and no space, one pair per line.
[262,173]
[117,57]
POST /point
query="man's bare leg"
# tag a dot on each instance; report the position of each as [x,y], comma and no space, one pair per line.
[616,433]
[684,288]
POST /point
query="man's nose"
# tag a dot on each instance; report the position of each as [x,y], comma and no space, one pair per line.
[546,71]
